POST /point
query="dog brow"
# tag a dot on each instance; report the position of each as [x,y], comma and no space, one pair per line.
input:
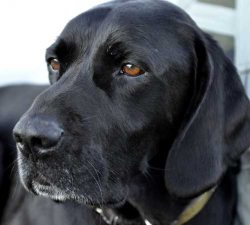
[65,50]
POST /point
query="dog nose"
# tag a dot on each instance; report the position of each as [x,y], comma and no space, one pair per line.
[37,135]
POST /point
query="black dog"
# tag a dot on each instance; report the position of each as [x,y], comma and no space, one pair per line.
[144,110]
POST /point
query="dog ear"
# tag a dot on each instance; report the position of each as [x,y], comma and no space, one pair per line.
[216,129]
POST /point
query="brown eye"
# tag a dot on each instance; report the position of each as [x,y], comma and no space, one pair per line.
[54,64]
[132,70]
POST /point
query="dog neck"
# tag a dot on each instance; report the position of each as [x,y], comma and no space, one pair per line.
[189,212]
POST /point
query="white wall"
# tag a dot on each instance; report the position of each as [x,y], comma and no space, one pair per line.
[27,28]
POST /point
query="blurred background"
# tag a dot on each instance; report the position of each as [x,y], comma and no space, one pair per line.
[28,27]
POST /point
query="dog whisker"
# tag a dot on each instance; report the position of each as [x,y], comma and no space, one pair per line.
[96,181]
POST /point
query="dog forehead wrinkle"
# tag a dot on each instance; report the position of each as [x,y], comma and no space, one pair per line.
[85,23]
[121,21]
[153,11]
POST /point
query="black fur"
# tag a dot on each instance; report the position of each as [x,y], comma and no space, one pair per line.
[153,141]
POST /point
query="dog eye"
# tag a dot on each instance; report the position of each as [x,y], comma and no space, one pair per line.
[54,64]
[132,70]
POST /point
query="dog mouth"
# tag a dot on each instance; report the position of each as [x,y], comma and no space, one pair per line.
[40,186]
[107,204]
[49,192]
[52,192]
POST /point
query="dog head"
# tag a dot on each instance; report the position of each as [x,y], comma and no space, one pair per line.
[130,79]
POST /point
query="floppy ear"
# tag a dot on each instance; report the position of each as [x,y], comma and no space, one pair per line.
[217,128]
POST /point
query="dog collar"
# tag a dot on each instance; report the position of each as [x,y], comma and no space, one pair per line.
[194,207]
[113,219]
[191,210]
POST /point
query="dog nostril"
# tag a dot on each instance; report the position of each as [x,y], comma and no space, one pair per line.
[19,141]
[18,138]
[20,144]
[46,140]
[37,142]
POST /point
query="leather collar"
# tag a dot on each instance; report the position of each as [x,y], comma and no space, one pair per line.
[192,210]
[194,207]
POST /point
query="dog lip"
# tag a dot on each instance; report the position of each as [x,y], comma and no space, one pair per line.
[42,188]
[20,146]
[48,191]
[42,181]
[112,204]
[116,203]
[40,184]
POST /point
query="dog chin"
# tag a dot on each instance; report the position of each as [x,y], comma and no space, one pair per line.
[59,196]
[49,192]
